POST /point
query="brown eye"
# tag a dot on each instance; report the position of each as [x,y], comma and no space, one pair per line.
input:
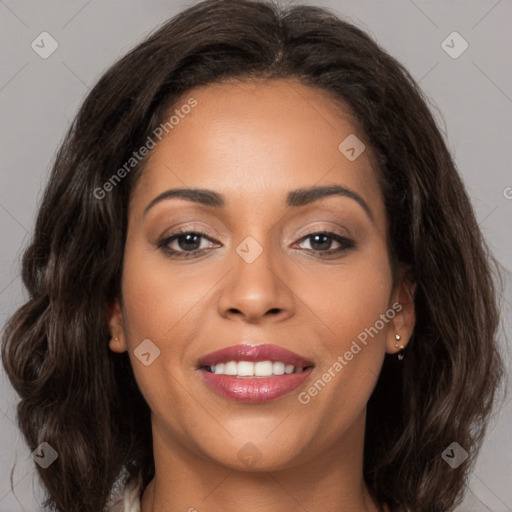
[187,243]
[322,241]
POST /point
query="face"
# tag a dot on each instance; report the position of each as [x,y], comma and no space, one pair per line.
[261,264]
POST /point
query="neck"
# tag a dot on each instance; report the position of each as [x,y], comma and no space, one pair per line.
[330,482]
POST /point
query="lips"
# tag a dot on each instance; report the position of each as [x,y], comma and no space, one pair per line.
[255,354]
[252,389]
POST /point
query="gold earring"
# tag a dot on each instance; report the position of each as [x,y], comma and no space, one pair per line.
[401,347]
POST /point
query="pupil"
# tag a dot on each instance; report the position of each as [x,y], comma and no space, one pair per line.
[321,245]
[189,239]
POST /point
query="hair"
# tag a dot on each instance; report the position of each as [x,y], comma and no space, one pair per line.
[83,399]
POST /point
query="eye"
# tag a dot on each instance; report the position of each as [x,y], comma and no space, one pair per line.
[320,242]
[187,243]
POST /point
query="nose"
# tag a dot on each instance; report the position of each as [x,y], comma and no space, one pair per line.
[258,291]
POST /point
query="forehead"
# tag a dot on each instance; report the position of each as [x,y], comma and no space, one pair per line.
[254,141]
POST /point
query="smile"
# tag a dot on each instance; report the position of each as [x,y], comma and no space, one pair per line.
[254,374]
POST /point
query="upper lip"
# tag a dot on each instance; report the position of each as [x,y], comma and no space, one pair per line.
[254,353]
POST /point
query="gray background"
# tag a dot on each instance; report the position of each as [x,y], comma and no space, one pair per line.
[471,95]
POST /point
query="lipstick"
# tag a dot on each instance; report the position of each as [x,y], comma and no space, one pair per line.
[254,374]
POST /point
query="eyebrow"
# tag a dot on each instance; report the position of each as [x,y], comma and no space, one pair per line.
[294,198]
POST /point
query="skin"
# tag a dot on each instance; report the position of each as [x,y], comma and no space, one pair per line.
[253,142]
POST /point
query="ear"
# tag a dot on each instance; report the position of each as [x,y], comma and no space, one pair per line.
[117,341]
[402,302]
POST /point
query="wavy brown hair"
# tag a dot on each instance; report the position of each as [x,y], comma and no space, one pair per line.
[82,398]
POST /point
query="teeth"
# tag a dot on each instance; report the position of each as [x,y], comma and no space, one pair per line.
[263,368]
[230,368]
[278,368]
[250,369]
[245,369]
[289,368]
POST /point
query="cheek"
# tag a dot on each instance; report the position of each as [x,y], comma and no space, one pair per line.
[158,298]
[355,315]
[164,304]
[359,299]
[151,307]
[351,297]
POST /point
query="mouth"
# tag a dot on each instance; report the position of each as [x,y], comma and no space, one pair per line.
[254,374]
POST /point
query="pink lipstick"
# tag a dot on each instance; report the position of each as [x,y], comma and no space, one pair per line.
[254,374]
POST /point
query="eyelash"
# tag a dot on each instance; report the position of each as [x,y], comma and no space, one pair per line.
[345,243]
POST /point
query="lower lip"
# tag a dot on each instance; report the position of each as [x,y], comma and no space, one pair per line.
[254,389]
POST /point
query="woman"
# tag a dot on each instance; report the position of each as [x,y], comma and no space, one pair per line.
[256,281]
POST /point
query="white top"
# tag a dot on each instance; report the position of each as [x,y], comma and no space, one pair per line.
[124,497]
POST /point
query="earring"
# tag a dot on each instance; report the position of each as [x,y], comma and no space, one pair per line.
[401,347]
